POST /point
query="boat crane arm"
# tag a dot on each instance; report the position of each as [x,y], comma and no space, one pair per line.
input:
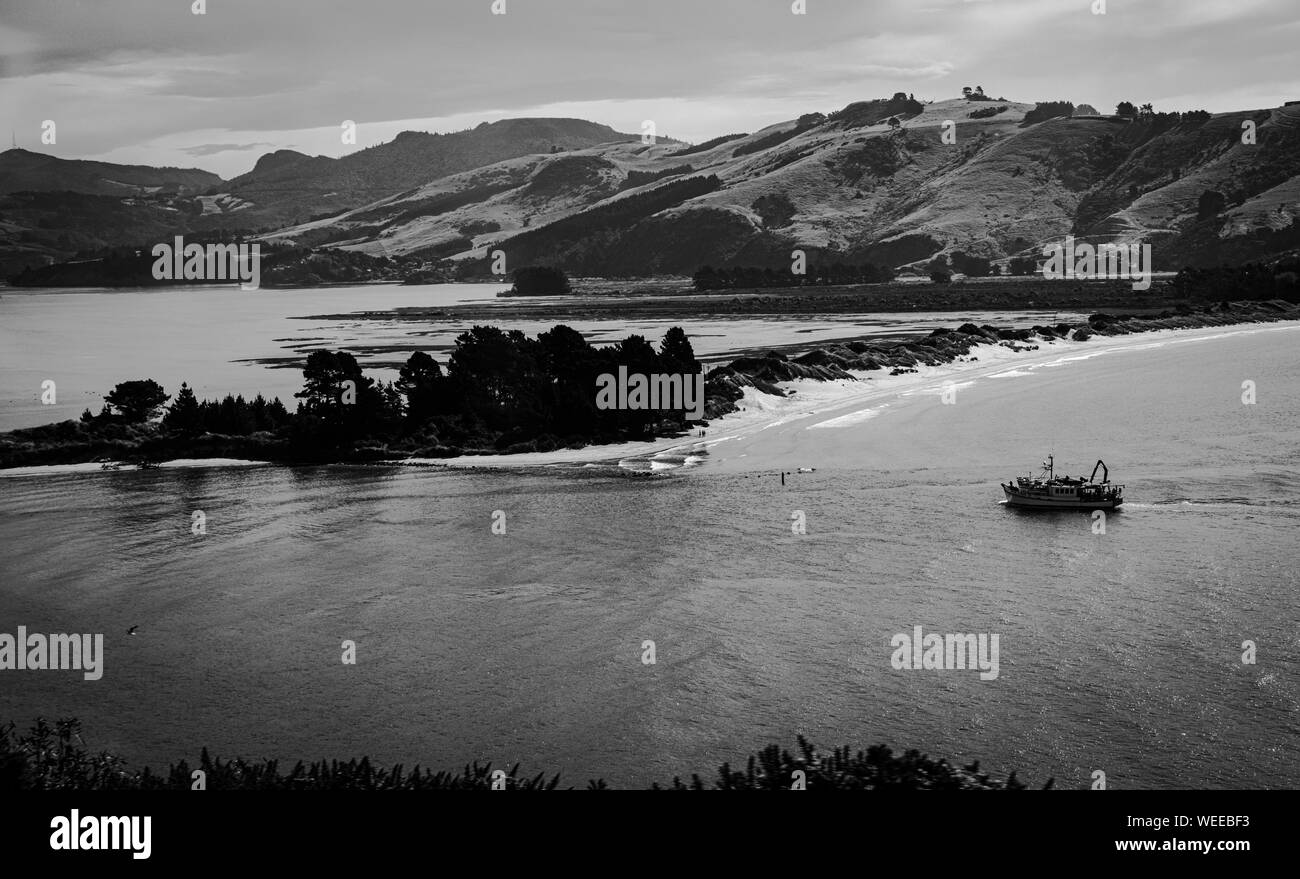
[1105,472]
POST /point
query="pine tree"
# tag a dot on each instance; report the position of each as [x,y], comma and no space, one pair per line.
[183,414]
[676,350]
[420,381]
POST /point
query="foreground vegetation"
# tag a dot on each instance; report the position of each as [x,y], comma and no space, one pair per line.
[54,758]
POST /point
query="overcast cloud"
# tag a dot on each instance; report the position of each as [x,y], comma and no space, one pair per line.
[146,81]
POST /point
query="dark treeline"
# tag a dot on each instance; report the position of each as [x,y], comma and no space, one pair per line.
[506,391]
[281,265]
[115,267]
[708,144]
[1045,110]
[746,277]
[1147,113]
[863,113]
[135,402]
[641,178]
[769,140]
[55,758]
[233,416]
[501,391]
[1249,281]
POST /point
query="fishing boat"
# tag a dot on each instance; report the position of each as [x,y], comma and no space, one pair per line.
[1047,491]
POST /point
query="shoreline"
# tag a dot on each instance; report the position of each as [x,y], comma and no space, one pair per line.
[747,395]
[675,300]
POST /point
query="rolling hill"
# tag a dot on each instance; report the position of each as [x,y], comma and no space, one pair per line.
[849,186]
[844,186]
[25,171]
[53,209]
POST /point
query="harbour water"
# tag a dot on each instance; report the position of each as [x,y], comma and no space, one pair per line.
[1119,652]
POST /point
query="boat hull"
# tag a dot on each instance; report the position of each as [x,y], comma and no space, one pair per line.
[1045,503]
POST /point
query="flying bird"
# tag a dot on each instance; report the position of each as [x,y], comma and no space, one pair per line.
[131,631]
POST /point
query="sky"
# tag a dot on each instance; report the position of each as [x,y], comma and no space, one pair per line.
[151,82]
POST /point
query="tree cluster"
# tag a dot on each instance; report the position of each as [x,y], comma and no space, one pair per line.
[500,391]
[1248,281]
[231,416]
[1022,265]
[540,281]
[506,390]
[972,266]
[1049,110]
[1147,113]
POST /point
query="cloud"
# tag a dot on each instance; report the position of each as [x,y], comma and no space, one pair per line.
[211,149]
[932,70]
[147,78]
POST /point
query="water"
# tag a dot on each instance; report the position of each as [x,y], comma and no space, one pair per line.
[1119,652]
[86,341]
[222,340]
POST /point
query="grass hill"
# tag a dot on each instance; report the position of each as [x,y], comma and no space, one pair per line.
[891,181]
[849,185]
[25,171]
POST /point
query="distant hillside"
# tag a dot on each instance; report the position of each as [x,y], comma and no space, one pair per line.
[849,185]
[872,182]
[286,186]
[23,171]
[53,209]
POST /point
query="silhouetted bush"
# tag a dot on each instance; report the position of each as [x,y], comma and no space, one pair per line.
[1048,110]
[540,281]
[1210,204]
[971,266]
[1022,265]
[54,758]
[1249,281]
